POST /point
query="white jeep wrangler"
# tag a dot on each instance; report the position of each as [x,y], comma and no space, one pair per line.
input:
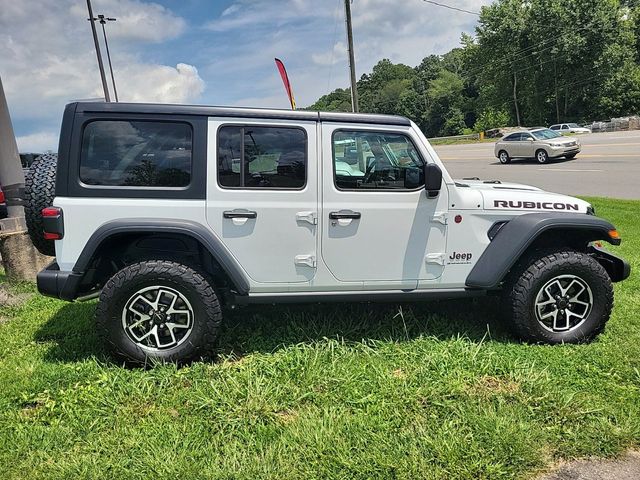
[170,213]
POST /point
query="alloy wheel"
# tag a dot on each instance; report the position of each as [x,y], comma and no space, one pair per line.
[563,303]
[157,318]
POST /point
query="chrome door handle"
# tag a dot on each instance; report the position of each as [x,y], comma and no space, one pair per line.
[345,214]
[239,213]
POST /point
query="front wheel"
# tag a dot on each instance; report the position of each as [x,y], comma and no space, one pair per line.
[542,156]
[160,311]
[559,297]
[504,157]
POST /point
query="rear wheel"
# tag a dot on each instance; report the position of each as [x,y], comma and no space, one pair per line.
[503,156]
[559,297]
[159,310]
[542,156]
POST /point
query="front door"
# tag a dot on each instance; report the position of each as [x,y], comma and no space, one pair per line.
[262,196]
[378,226]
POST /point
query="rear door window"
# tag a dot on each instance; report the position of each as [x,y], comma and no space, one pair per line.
[262,157]
[125,153]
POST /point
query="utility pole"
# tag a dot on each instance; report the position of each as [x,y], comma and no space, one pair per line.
[352,61]
[11,175]
[515,97]
[104,20]
[98,54]
[555,82]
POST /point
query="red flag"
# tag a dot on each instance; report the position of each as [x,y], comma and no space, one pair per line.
[285,80]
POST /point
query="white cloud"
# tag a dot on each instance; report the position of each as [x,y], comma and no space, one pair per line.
[310,37]
[169,85]
[135,20]
[37,142]
[337,53]
[51,61]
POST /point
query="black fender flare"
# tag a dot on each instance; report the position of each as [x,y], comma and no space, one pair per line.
[195,230]
[513,239]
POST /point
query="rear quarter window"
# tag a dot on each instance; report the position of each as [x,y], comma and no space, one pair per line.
[128,153]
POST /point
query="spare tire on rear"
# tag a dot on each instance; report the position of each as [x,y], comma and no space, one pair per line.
[39,192]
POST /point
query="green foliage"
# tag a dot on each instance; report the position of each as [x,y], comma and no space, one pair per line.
[569,61]
[337,101]
[491,118]
[438,391]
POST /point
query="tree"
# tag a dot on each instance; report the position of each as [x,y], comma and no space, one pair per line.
[535,61]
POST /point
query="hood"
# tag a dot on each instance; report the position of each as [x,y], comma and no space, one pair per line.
[564,140]
[517,197]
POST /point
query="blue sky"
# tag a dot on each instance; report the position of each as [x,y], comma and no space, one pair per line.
[217,52]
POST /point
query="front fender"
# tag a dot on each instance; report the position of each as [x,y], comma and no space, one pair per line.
[518,234]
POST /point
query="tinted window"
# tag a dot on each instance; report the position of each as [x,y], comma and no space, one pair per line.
[514,137]
[555,127]
[136,153]
[262,157]
[545,134]
[376,160]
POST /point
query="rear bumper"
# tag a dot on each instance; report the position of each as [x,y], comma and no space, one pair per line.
[617,268]
[3,211]
[57,283]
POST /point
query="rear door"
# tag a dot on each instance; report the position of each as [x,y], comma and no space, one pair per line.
[378,226]
[516,147]
[262,196]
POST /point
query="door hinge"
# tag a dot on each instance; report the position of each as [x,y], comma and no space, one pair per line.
[309,217]
[436,258]
[306,261]
[440,217]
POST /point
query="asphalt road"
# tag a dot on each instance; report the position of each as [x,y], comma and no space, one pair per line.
[607,166]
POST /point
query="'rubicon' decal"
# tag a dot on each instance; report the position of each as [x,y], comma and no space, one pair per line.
[536,205]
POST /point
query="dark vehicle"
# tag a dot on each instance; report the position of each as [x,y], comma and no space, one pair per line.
[3,205]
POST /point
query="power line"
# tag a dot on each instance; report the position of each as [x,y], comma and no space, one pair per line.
[450,7]
[520,55]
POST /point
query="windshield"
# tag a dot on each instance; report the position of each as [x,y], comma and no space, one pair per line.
[545,134]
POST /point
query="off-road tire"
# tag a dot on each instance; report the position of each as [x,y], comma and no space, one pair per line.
[39,192]
[542,156]
[504,159]
[533,272]
[207,314]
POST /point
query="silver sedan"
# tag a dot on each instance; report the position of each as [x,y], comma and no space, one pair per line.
[541,143]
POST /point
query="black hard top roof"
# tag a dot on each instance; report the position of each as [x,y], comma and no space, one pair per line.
[240,112]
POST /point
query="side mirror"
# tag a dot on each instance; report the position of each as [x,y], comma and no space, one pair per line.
[432,179]
[529,139]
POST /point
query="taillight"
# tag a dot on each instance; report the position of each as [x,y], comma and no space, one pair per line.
[2,200]
[51,212]
[53,226]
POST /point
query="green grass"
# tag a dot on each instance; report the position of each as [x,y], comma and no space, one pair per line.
[425,391]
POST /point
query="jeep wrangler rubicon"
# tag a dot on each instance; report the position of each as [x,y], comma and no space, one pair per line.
[169,213]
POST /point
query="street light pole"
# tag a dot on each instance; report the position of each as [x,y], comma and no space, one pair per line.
[104,20]
[98,54]
[352,61]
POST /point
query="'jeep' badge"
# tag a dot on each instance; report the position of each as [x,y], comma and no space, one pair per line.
[457,258]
